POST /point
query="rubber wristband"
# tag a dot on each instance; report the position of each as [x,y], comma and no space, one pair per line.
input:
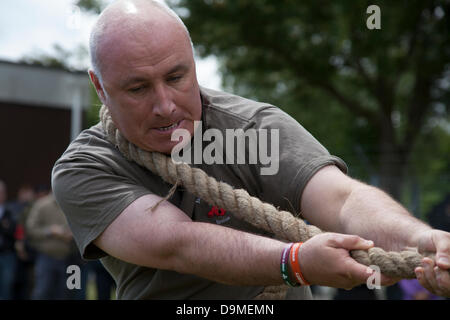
[295,264]
[284,266]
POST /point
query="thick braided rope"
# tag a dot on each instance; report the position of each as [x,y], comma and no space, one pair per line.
[250,209]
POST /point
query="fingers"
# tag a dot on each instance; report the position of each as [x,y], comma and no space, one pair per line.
[350,242]
[433,278]
[443,281]
[436,241]
[356,272]
[443,252]
[387,281]
[420,275]
[429,273]
[369,275]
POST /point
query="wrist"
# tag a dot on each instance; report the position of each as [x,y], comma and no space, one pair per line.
[285,266]
[291,274]
[290,268]
[295,263]
[418,236]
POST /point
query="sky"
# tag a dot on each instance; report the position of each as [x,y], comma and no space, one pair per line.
[31,27]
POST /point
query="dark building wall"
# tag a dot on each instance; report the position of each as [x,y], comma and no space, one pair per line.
[32,138]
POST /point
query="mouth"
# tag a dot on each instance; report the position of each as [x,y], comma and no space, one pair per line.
[170,127]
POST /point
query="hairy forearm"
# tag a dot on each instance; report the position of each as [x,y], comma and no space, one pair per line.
[372,214]
[165,238]
[225,255]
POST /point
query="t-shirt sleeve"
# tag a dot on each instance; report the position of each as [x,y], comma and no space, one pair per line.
[92,191]
[300,157]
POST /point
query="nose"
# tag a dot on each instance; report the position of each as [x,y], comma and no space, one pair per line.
[163,105]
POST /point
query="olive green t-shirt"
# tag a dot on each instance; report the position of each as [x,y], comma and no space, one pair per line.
[93,183]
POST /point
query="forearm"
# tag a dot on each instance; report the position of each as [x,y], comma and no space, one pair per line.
[166,238]
[226,255]
[372,214]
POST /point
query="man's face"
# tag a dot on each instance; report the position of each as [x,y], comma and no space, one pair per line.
[151,86]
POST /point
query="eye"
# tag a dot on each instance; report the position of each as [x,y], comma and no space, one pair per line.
[174,78]
[136,89]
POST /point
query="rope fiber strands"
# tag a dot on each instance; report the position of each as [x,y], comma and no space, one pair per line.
[262,215]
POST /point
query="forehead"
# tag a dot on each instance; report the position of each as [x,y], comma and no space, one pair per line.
[143,43]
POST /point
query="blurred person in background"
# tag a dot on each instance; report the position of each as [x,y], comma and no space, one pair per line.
[412,290]
[7,253]
[103,280]
[50,235]
[25,196]
[25,253]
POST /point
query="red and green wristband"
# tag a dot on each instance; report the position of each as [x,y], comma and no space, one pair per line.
[284,266]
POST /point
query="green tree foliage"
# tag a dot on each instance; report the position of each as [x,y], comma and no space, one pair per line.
[59,58]
[93,6]
[92,114]
[377,98]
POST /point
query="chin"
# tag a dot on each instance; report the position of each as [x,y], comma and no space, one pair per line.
[166,151]
[163,148]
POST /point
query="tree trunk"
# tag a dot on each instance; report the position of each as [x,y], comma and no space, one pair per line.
[391,160]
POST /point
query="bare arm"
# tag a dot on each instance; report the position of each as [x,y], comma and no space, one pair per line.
[335,202]
[338,203]
[167,239]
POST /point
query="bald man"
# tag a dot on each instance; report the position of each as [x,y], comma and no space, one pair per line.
[144,73]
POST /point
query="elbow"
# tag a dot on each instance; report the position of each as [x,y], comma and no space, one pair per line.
[352,198]
[159,250]
[175,252]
